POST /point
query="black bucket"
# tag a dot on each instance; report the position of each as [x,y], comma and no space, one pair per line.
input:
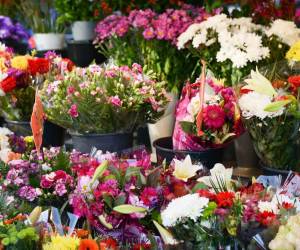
[53,135]
[165,151]
[142,137]
[114,142]
[83,53]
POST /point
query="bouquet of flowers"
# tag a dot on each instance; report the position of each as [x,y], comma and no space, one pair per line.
[270,111]
[20,75]
[206,116]
[118,197]
[121,97]
[233,46]
[149,39]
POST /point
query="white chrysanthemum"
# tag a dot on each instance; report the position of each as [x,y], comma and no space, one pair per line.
[188,35]
[287,31]
[268,206]
[253,104]
[186,207]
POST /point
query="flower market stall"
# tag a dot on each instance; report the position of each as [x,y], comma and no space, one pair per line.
[213,85]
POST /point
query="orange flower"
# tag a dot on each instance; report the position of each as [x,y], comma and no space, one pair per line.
[108,244]
[88,244]
[19,217]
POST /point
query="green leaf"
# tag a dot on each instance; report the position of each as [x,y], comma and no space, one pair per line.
[132,171]
[120,200]
[108,200]
[199,186]
[104,222]
[129,209]
[62,162]
[276,106]
[99,172]
[187,127]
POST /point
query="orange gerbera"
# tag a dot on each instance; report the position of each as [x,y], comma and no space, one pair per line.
[88,244]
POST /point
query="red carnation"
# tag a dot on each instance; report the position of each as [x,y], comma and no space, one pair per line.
[294,81]
[205,193]
[8,84]
[225,199]
[265,218]
[38,66]
[68,64]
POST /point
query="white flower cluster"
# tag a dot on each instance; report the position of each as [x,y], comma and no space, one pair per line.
[186,207]
[286,31]
[288,235]
[238,39]
[253,104]
[4,144]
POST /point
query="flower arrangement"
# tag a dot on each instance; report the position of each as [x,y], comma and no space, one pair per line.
[20,75]
[144,37]
[233,46]
[11,30]
[220,118]
[122,97]
[268,102]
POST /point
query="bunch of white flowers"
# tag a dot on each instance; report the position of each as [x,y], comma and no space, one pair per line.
[288,235]
[189,206]
[286,31]
[238,38]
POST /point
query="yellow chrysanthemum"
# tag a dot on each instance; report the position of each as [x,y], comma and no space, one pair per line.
[294,53]
[62,243]
[20,62]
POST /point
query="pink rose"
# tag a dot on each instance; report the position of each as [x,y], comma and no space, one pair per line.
[45,183]
[116,101]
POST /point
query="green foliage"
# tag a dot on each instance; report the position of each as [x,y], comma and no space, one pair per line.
[62,162]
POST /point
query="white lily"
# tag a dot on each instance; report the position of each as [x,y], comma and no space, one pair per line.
[185,169]
[260,84]
[219,176]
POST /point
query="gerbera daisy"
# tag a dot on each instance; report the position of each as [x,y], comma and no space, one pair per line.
[213,116]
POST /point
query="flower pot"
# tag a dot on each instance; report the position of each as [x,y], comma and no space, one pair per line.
[49,41]
[83,30]
[142,136]
[165,151]
[82,53]
[53,135]
[244,151]
[165,126]
[114,142]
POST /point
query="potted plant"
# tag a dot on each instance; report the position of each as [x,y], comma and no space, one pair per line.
[207,119]
[41,18]
[102,106]
[20,76]
[271,113]
[149,38]
[81,14]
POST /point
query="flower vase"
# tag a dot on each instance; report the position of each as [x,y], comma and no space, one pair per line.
[276,142]
[164,127]
[49,41]
[113,142]
[83,30]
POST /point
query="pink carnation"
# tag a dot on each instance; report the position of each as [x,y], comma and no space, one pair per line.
[73,111]
[116,101]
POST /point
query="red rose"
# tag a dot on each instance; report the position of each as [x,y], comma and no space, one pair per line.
[38,66]
[60,174]
[8,84]
[205,193]
[225,199]
[294,81]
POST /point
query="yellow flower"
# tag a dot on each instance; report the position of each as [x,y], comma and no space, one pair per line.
[185,169]
[20,62]
[3,68]
[294,53]
[62,243]
[28,139]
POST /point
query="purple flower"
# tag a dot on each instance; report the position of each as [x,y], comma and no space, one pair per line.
[29,193]
[17,143]
[10,30]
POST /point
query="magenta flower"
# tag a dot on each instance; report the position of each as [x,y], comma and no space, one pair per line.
[70,90]
[116,101]
[73,111]
[149,33]
[137,68]
[213,116]
[29,193]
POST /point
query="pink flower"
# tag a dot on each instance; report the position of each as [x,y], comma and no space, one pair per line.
[213,116]
[45,183]
[149,196]
[116,101]
[70,90]
[149,33]
[60,189]
[137,68]
[73,111]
